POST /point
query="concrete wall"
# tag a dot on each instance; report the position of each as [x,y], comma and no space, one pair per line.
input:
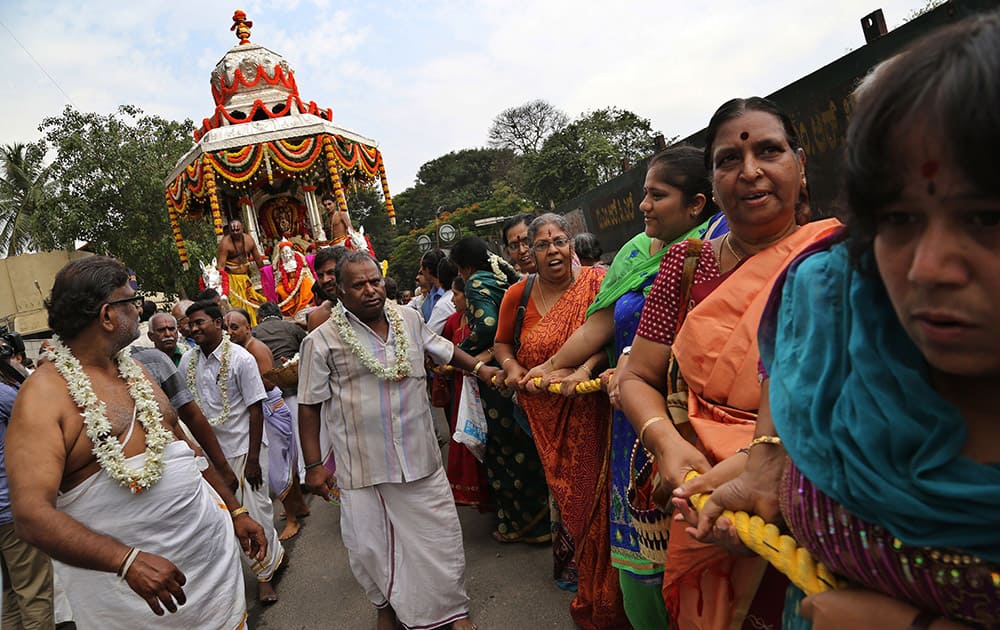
[25,281]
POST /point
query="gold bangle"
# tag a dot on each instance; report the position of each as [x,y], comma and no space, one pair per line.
[590,371]
[475,370]
[238,511]
[764,439]
[504,362]
[645,425]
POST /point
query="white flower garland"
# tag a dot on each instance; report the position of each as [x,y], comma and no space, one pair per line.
[400,367]
[223,380]
[108,450]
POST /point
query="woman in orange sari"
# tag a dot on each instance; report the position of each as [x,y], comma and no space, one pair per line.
[718,291]
[572,434]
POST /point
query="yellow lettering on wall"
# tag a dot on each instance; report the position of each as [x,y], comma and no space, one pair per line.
[616,212]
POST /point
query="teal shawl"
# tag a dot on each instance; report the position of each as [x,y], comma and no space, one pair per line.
[852,403]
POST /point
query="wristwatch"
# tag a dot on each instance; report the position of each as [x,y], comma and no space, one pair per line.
[627,350]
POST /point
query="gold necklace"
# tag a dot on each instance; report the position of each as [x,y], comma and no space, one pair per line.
[541,290]
[732,251]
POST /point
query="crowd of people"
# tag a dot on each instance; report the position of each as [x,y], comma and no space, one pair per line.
[831,376]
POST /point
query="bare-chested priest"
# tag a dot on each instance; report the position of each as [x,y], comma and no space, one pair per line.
[235,251]
[103,481]
[340,223]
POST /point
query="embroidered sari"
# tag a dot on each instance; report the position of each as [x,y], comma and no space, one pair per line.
[878,489]
[514,471]
[573,436]
[716,352]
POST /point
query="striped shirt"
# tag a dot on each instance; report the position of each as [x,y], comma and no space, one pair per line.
[382,431]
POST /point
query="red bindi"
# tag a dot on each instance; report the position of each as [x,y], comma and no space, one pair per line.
[744,136]
[928,170]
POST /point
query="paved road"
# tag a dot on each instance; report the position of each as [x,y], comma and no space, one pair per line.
[510,585]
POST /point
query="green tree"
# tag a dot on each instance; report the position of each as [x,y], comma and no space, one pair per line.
[404,259]
[108,173]
[451,181]
[25,190]
[586,153]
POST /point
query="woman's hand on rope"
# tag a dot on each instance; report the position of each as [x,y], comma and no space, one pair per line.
[570,381]
[513,371]
[754,490]
[541,371]
[675,458]
[723,532]
[609,384]
[553,376]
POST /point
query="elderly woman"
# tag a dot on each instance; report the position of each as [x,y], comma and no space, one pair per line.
[676,205]
[572,434]
[883,356]
[718,291]
[516,477]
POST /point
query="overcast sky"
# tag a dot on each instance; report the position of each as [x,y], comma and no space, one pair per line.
[424,78]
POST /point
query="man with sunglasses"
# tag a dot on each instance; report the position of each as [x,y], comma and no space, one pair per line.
[225,382]
[102,479]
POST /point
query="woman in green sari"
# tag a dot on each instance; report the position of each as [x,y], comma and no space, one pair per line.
[513,469]
[676,205]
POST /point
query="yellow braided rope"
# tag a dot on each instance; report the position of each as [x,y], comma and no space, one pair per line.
[779,549]
[586,387]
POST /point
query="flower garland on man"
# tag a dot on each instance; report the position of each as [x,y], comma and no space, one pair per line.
[103,481]
[224,380]
[397,513]
[293,281]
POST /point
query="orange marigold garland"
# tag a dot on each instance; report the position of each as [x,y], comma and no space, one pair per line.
[175,226]
[213,200]
[389,208]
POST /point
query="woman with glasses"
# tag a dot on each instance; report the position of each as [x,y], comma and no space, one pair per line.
[571,434]
[676,205]
[515,240]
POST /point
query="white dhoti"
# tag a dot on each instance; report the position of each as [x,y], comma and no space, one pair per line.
[405,547]
[258,503]
[180,518]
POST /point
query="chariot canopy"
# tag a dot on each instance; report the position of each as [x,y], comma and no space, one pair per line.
[266,157]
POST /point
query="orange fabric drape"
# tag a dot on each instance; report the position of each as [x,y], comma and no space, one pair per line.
[573,438]
[716,350]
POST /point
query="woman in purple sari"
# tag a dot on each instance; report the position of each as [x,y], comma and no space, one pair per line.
[881,354]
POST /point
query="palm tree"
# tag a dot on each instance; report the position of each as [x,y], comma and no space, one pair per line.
[25,190]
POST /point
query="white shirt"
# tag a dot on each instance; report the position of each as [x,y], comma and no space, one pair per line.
[244,388]
[444,309]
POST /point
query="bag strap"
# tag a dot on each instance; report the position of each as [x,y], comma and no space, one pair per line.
[675,380]
[691,259]
[522,308]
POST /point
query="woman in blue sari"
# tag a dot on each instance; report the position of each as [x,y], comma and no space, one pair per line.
[676,205]
[882,357]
